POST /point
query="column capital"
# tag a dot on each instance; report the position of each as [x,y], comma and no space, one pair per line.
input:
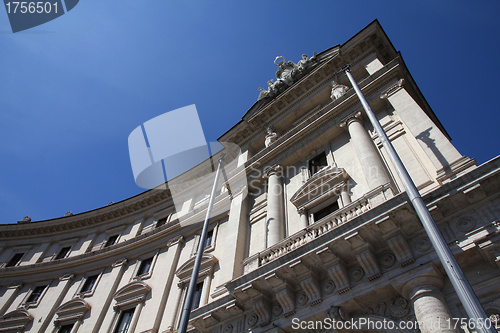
[301,210]
[175,240]
[66,277]
[274,170]
[393,89]
[120,262]
[356,116]
[430,283]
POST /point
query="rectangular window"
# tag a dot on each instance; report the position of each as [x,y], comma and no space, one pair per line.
[63,253]
[14,261]
[66,328]
[197,295]
[145,266]
[210,237]
[326,211]
[35,294]
[111,240]
[89,284]
[317,163]
[124,321]
[161,222]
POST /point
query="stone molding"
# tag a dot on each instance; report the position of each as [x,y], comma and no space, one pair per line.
[393,89]
[72,311]
[131,294]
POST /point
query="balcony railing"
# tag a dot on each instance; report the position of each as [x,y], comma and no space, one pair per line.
[319,228]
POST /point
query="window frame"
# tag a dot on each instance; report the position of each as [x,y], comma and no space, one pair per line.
[324,204]
[147,275]
[34,303]
[132,312]
[316,157]
[115,241]
[18,262]
[66,254]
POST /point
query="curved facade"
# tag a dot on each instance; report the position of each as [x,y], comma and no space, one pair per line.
[312,226]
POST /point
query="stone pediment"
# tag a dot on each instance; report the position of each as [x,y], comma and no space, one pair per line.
[73,310]
[324,183]
[15,321]
[208,261]
[132,293]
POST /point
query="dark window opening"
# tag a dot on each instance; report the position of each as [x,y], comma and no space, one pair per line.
[161,222]
[197,295]
[63,253]
[124,321]
[35,294]
[111,240]
[210,238]
[15,260]
[317,163]
[89,284]
[145,266]
[66,328]
[326,211]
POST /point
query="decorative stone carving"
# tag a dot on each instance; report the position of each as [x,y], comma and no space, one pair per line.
[393,89]
[270,137]
[228,328]
[301,299]
[356,274]
[367,260]
[277,310]
[338,90]
[336,313]
[387,260]
[396,308]
[252,320]
[25,219]
[399,307]
[466,224]
[288,72]
[399,246]
[328,287]
[422,244]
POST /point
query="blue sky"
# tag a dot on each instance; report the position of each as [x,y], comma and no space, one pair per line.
[72,90]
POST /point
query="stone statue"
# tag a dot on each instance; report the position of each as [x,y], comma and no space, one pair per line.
[304,64]
[270,137]
[288,72]
[338,90]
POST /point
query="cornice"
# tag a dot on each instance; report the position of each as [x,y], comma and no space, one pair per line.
[124,209]
[112,256]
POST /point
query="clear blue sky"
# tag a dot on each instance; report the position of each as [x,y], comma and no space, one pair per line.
[72,90]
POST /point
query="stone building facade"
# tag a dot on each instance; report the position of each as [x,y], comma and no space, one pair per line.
[320,231]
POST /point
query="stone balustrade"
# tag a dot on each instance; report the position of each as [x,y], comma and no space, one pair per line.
[319,228]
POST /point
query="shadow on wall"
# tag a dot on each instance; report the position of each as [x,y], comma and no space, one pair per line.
[425,137]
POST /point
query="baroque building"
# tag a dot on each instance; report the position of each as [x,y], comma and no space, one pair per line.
[311,227]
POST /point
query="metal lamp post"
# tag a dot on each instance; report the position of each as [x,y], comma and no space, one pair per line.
[188,302]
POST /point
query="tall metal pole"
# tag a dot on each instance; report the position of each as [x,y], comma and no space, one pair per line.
[188,302]
[462,287]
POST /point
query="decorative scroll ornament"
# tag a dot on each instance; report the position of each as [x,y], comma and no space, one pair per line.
[286,75]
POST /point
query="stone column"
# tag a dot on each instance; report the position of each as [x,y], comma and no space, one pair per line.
[274,220]
[429,305]
[304,220]
[344,194]
[368,155]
